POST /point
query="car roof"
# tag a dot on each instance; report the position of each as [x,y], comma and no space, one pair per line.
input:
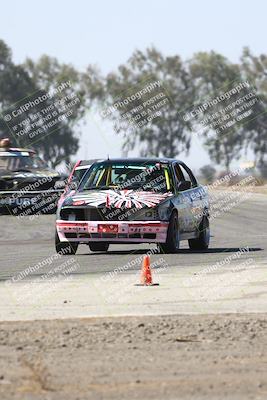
[83,167]
[140,160]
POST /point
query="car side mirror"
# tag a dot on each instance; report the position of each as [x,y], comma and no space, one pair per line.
[184,185]
[72,185]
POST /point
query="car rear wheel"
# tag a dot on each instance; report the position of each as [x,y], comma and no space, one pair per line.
[98,246]
[173,236]
[202,242]
[65,248]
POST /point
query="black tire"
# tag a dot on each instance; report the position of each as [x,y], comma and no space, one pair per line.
[98,246]
[65,248]
[173,236]
[202,242]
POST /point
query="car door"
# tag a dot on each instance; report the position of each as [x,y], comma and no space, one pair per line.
[195,194]
[183,200]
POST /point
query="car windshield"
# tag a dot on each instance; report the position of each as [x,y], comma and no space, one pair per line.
[17,162]
[151,177]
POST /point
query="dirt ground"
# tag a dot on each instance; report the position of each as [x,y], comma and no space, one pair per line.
[262,189]
[168,357]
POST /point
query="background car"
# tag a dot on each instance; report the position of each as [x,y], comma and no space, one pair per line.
[27,184]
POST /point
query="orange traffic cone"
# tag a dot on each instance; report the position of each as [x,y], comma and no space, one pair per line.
[146,275]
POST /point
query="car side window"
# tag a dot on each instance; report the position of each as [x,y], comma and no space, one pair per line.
[188,175]
[178,174]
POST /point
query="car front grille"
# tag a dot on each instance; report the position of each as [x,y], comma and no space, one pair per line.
[101,214]
[130,214]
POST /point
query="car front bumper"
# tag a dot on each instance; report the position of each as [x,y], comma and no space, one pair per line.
[112,232]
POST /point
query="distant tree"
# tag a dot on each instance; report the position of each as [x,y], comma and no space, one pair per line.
[48,73]
[208,173]
[168,134]
[20,83]
[166,131]
[213,74]
[255,132]
[15,84]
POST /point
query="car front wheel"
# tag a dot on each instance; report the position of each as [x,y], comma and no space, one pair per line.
[173,236]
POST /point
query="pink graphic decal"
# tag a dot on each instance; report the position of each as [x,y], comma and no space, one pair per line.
[122,198]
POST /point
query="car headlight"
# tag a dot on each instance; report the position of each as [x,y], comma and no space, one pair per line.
[150,214]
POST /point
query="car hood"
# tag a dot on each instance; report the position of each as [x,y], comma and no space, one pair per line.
[116,198]
[28,173]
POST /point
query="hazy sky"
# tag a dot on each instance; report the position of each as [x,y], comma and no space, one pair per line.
[106,32]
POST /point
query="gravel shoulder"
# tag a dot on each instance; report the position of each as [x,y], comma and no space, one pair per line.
[159,357]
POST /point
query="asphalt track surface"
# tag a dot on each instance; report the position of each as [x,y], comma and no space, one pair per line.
[28,241]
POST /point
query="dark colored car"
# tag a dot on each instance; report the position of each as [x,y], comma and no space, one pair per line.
[27,184]
[134,201]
